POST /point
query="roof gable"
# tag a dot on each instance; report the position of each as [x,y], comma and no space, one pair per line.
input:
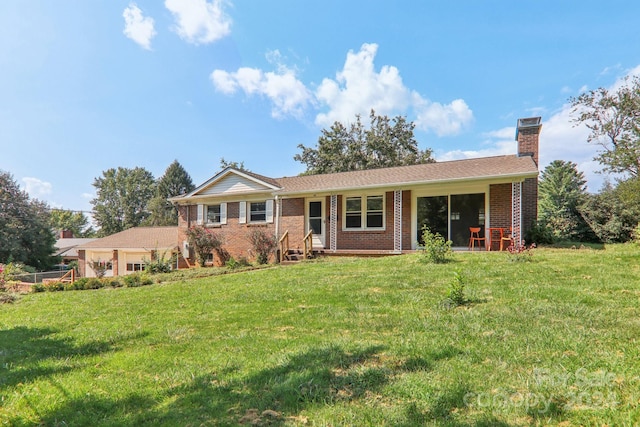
[232,181]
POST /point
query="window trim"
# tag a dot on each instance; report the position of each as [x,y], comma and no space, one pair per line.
[364,212]
[223,214]
[133,265]
[245,211]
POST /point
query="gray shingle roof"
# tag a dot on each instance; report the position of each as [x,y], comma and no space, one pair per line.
[67,247]
[456,170]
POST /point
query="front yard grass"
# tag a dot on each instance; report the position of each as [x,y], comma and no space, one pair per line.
[338,342]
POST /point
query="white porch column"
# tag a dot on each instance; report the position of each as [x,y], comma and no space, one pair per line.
[277,216]
[397,221]
[333,223]
[516,212]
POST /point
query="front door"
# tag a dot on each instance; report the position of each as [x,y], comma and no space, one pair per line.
[315,221]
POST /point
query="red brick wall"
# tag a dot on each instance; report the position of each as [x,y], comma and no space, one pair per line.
[234,235]
[292,220]
[500,205]
[368,240]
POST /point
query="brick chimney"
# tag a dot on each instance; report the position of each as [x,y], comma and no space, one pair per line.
[66,234]
[527,134]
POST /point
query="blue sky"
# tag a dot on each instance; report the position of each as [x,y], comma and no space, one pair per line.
[90,85]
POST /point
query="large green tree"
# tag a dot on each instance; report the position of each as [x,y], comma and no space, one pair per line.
[384,143]
[76,222]
[174,182]
[562,190]
[122,198]
[614,212]
[25,234]
[613,117]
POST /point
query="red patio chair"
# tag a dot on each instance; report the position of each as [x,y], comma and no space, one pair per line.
[475,237]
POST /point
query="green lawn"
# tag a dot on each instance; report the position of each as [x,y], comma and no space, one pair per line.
[338,342]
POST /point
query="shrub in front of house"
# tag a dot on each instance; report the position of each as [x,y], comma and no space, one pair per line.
[204,241]
[263,243]
[435,248]
[162,264]
[136,280]
[233,263]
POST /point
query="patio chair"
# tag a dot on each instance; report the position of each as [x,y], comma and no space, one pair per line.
[475,237]
[507,236]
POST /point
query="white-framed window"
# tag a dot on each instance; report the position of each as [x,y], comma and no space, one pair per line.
[106,265]
[259,211]
[364,212]
[214,214]
[135,266]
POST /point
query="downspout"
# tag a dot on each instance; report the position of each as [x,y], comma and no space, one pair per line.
[277,217]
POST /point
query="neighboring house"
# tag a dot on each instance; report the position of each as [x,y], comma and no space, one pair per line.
[372,211]
[66,248]
[125,252]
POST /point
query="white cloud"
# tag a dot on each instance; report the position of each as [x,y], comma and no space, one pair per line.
[288,94]
[356,89]
[36,187]
[199,21]
[499,142]
[449,119]
[137,27]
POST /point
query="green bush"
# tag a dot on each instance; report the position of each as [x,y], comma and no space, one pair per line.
[54,286]
[136,279]
[79,284]
[115,283]
[93,283]
[233,264]
[203,241]
[540,234]
[435,248]
[162,264]
[264,243]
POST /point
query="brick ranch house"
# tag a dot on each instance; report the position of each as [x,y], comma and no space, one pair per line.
[373,211]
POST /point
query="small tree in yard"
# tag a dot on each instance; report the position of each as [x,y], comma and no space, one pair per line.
[436,248]
[263,244]
[204,241]
[99,268]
